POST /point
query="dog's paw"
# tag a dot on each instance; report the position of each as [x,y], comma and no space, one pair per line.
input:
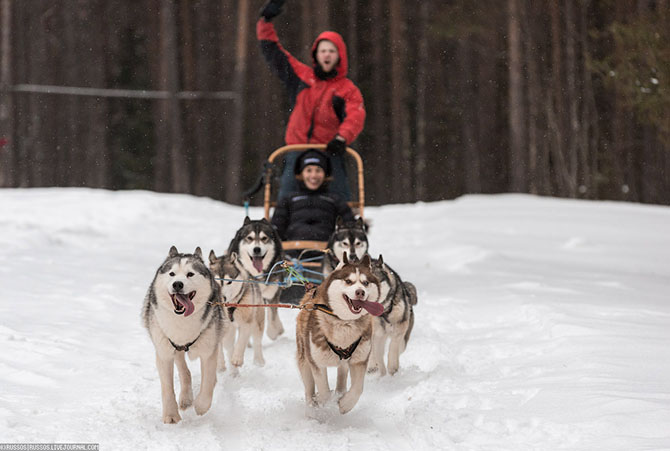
[171,417]
[185,400]
[221,365]
[322,398]
[274,329]
[259,361]
[393,369]
[347,402]
[202,404]
[237,360]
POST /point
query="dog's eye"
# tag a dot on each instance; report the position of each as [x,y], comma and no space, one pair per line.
[349,281]
[190,274]
[171,274]
[365,283]
[345,243]
[249,239]
[264,239]
[358,244]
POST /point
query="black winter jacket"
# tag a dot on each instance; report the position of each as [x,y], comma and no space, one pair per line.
[309,215]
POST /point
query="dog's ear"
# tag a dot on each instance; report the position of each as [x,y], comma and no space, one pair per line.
[338,263]
[339,223]
[212,256]
[380,260]
[233,257]
[173,252]
[265,221]
[366,260]
[198,253]
[247,221]
[345,260]
[362,224]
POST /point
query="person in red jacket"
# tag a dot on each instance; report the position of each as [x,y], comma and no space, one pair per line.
[326,106]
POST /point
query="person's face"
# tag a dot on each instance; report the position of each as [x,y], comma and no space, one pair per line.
[327,55]
[313,176]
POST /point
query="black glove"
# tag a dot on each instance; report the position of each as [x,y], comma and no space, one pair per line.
[272,9]
[336,147]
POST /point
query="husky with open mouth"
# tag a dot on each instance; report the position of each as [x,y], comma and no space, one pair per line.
[258,248]
[334,329]
[247,322]
[181,314]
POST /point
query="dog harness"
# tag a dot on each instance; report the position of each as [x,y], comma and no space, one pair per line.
[237,300]
[185,347]
[344,353]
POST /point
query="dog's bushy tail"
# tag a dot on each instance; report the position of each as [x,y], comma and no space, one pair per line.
[409,290]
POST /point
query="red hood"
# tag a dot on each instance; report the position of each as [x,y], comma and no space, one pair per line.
[343,65]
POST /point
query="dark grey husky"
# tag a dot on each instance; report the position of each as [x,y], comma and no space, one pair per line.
[350,237]
[397,321]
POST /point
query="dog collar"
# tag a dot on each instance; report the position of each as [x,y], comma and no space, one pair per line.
[344,353]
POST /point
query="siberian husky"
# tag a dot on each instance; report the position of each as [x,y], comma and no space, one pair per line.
[248,321]
[258,248]
[334,330]
[398,299]
[349,237]
[181,315]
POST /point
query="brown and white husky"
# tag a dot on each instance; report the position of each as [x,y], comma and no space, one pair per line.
[334,329]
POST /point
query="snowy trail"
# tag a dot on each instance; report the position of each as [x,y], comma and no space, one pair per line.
[542,324]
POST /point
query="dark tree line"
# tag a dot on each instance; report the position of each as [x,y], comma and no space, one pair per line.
[565,98]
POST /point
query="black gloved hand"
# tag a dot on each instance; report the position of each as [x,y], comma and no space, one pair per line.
[336,146]
[272,9]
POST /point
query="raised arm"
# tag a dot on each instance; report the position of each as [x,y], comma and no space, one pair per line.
[290,71]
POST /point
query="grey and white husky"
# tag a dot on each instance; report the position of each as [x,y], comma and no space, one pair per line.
[397,321]
[181,315]
[350,238]
[248,322]
[338,332]
[258,248]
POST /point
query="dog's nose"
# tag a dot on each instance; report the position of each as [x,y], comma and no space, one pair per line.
[360,293]
[178,286]
[257,250]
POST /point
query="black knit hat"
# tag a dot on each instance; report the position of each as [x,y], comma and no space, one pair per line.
[315,157]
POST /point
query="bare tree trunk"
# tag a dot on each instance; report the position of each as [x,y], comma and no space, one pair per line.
[467,99]
[517,112]
[533,89]
[589,118]
[380,154]
[421,93]
[307,34]
[352,38]
[7,158]
[170,116]
[573,98]
[236,143]
[400,143]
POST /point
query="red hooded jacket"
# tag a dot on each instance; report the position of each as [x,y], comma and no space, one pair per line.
[320,109]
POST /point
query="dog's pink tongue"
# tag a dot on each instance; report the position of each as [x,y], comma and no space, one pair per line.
[184,300]
[258,263]
[373,308]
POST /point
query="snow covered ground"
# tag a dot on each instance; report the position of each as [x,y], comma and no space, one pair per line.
[542,324]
